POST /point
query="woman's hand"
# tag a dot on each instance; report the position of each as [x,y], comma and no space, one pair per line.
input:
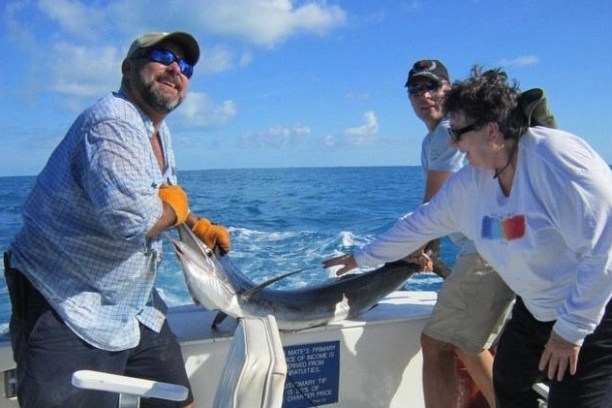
[422,258]
[559,356]
[348,260]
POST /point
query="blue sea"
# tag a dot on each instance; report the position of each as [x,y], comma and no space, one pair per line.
[280,220]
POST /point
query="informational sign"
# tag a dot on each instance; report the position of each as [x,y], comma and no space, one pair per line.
[313,374]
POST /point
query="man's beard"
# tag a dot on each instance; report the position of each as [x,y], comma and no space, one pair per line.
[156,99]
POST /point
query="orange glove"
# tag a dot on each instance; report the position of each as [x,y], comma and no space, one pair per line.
[176,198]
[213,235]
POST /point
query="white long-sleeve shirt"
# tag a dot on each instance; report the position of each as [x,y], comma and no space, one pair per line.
[550,239]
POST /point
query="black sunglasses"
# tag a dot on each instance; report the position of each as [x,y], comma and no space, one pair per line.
[418,90]
[457,133]
[166,58]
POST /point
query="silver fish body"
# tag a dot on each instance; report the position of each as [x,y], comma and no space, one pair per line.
[216,283]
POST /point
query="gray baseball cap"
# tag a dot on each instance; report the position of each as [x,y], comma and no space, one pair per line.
[188,44]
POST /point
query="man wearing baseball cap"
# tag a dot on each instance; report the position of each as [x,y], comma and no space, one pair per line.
[474,302]
[82,269]
[431,69]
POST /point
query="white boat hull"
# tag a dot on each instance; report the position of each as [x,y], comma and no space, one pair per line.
[373,361]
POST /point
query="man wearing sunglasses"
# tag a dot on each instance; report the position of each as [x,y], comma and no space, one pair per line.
[473,303]
[82,269]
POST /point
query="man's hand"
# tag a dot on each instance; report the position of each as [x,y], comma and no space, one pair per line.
[559,356]
[213,235]
[175,197]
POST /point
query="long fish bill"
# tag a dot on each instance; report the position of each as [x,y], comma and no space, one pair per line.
[205,278]
[201,254]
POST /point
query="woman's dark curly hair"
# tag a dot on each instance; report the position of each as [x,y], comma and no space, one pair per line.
[488,97]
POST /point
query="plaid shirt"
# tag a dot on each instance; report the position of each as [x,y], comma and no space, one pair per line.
[82,244]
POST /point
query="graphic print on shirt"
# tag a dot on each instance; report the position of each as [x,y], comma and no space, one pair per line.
[503,228]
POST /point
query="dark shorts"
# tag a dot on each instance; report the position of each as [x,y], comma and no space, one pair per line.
[515,367]
[47,353]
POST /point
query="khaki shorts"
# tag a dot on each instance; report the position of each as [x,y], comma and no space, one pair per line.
[472,306]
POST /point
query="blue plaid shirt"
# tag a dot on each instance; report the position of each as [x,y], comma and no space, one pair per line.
[82,244]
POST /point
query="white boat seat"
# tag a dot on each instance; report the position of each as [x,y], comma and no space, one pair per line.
[255,370]
[542,390]
[130,389]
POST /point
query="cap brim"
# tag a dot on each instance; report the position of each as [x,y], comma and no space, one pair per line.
[187,43]
[424,74]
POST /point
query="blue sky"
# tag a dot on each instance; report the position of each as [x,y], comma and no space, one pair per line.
[297,83]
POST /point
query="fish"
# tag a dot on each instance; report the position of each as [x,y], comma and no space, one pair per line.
[217,284]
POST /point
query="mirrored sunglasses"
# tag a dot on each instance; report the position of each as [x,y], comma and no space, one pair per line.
[166,58]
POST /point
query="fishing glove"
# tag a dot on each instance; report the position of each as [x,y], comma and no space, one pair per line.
[213,235]
[176,198]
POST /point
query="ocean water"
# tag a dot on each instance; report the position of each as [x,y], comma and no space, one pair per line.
[280,220]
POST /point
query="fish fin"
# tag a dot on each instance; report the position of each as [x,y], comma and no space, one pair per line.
[250,292]
[219,318]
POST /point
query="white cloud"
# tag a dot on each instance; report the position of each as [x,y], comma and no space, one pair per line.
[412,6]
[200,111]
[88,41]
[268,22]
[356,136]
[277,137]
[72,16]
[330,141]
[363,134]
[520,61]
[221,58]
[91,38]
[358,96]
[88,72]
